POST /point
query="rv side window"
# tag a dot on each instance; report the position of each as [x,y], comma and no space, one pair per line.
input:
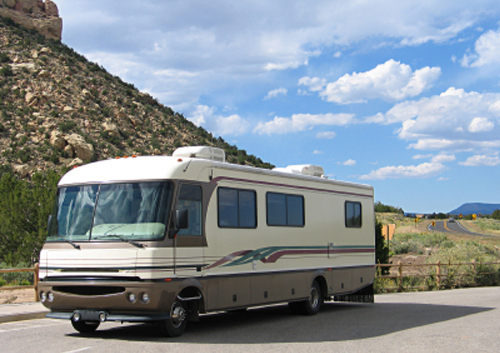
[353,214]
[237,208]
[285,210]
[190,199]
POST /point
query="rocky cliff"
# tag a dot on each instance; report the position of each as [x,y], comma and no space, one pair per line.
[34,14]
[58,110]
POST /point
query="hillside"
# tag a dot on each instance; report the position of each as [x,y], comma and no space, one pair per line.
[476,208]
[58,110]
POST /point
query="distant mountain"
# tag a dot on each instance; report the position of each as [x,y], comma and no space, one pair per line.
[476,208]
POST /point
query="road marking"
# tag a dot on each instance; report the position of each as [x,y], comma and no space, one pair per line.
[26,327]
[446,227]
[79,350]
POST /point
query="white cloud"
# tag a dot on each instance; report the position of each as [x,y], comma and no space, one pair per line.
[487,51]
[440,158]
[202,111]
[228,47]
[218,124]
[327,135]
[315,84]
[349,162]
[454,120]
[481,160]
[276,92]
[231,125]
[424,170]
[422,156]
[318,152]
[391,81]
[453,145]
[301,122]
[443,158]
[481,125]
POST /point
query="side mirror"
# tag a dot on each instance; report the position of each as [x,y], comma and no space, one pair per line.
[182,219]
[181,222]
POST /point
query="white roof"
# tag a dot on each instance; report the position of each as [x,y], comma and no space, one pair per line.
[125,169]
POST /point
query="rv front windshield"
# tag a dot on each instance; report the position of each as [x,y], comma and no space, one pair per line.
[130,211]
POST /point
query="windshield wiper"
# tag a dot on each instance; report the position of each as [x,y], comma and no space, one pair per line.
[76,246]
[134,243]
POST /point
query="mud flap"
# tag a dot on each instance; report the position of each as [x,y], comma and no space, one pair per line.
[364,295]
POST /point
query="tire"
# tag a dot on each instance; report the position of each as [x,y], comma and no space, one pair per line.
[295,307]
[85,326]
[176,324]
[311,305]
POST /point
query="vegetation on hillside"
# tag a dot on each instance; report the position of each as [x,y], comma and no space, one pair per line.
[46,87]
[24,210]
[380,207]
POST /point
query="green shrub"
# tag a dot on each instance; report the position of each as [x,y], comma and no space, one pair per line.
[16,278]
[475,270]
[6,71]
[66,126]
[4,58]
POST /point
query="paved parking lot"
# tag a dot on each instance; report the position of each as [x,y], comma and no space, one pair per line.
[465,320]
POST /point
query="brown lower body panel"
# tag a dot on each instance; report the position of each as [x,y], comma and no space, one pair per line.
[220,292]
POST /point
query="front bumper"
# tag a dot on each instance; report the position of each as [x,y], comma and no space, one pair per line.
[102,316]
[110,297]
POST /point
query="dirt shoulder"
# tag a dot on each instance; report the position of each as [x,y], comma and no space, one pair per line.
[17,296]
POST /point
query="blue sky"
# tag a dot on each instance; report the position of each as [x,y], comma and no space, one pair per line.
[401,95]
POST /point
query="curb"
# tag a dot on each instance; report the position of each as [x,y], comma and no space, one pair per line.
[24,316]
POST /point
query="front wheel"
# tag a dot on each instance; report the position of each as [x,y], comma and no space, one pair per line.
[85,326]
[175,325]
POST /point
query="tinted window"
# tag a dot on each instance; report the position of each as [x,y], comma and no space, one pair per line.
[237,208]
[285,210]
[276,209]
[352,214]
[190,199]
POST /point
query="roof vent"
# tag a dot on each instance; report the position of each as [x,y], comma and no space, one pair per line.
[203,152]
[303,169]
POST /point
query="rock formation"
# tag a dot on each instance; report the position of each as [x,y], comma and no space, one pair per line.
[34,14]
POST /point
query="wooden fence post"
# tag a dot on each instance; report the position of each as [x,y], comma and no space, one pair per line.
[400,275]
[37,268]
[438,274]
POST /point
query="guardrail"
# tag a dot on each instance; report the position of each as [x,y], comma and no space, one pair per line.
[442,272]
[34,286]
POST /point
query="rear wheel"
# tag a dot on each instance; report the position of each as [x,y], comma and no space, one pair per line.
[311,305]
[175,325]
[85,326]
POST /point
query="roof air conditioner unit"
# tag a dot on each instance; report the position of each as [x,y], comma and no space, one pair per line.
[303,169]
[203,152]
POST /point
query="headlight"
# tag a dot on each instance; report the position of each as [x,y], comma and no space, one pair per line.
[131,297]
[43,297]
[145,298]
[50,297]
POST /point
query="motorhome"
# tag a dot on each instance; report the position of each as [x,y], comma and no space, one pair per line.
[164,239]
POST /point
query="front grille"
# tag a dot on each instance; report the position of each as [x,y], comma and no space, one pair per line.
[89,290]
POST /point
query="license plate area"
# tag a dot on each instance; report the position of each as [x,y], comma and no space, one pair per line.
[90,315]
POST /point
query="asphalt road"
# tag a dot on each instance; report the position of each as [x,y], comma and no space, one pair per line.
[464,320]
[448,227]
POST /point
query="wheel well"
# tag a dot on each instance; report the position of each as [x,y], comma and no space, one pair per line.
[322,284]
[193,292]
